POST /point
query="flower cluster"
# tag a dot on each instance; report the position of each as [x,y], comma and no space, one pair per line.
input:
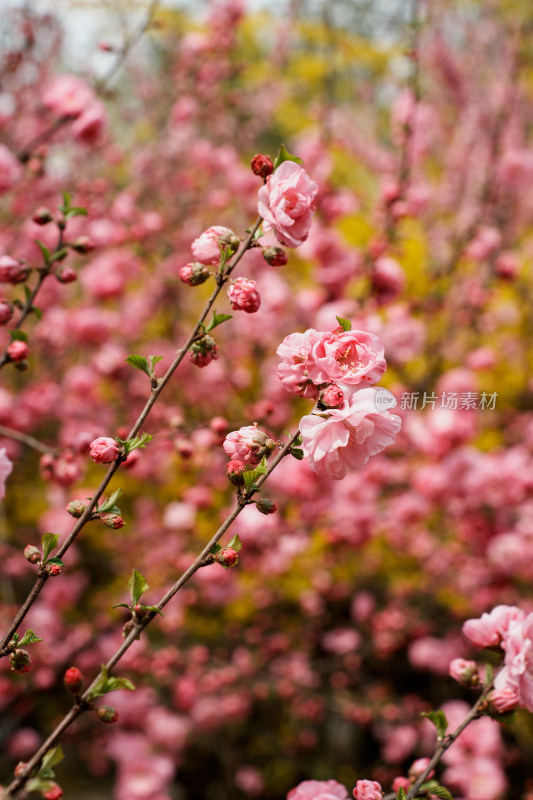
[351,421]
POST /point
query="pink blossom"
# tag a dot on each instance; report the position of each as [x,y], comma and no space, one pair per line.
[368,790]
[347,357]
[10,169]
[287,203]
[319,790]
[18,350]
[104,450]
[206,248]
[6,465]
[90,125]
[488,630]
[68,96]
[244,296]
[12,270]
[346,438]
[293,371]
[503,700]
[517,672]
[248,445]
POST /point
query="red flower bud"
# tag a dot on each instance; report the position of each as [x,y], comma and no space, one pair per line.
[275,256]
[332,397]
[18,351]
[73,680]
[203,351]
[53,569]
[42,216]
[83,244]
[262,166]
[266,506]
[53,793]
[113,521]
[228,557]
[66,275]
[235,470]
[194,274]
[107,714]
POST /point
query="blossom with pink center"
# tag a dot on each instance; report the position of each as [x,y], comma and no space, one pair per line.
[318,790]
[206,248]
[503,700]
[6,465]
[293,371]
[287,203]
[68,96]
[342,439]
[244,296]
[517,672]
[10,169]
[368,790]
[104,450]
[347,357]
[488,630]
[248,444]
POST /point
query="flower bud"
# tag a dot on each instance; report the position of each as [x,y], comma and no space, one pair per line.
[73,680]
[262,166]
[6,311]
[55,792]
[66,275]
[230,241]
[20,660]
[12,271]
[53,569]
[464,672]
[248,444]
[83,244]
[113,521]
[418,767]
[244,296]
[194,273]
[104,450]
[107,714]
[235,470]
[42,216]
[368,790]
[18,351]
[501,701]
[266,506]
[275,256]
[76,508]
[228,557]
[332,396]
[32,554]
[203,351]
[19,769]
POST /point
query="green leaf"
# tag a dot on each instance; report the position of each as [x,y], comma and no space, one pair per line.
[39,785]
[44,250]
[58,255]
[438,718]
[345,324]
[55,561]
[401,794]
[235,543]
[153,361]
[29,638]
[18,336]
[218,319]
[215,549]
[48,543]
[251,475]
[67,199]
[137,586]
[121,605]
[75,211]
[139,362]
[489,673]
[105,683]
[52,757]
[284,155]
[154,608]
[109,503]
[434,787]
[113,684]
[297,453]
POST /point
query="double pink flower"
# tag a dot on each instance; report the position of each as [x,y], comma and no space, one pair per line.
[287,203]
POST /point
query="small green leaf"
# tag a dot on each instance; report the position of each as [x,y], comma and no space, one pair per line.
[251,475]
[40,784]
[235,543]
[44,250]
[113,684]
[345,324]
[67,199]
[52,757]
[109,503]
[284,155]
[153,361]
[58,255]
[75,211]
[139,362]
[218,319]
[154,608]
[489,673]
[297,453]
[401,794]
[137,586]
[138,441]
[55,561]
[434,787]
[121,605]
[104,684]
[18,336]
[438,718]
[29,638]
[215,549]
[48,543]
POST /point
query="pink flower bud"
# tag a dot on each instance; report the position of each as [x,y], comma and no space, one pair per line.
[275,256]
[418,767]
[53,569]
[19,769]
[83,244]
[400,783]
[207,247]
[248,444]
[53,793]
[194,273]
[368,790]
[244,296]
[204,351]
[66,275]
[73,680]
[104,450]
[332,397]
[18,351]
[6,311]
[42,216]
[76,508]
[20,660]
[219,425]
[113,521]
[262,166]
[266,506]
[228,557]
[12,271]
[235,470]
[464,672]
[107,714]
[503,700]
[32,554]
